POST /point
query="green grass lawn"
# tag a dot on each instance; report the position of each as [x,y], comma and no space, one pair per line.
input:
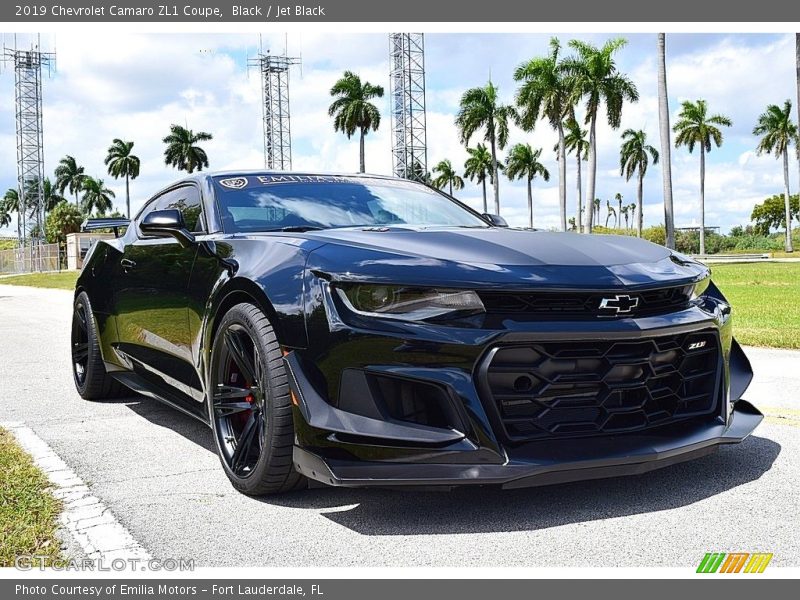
[28,512]
[766,302]
[63,280]
[765,298]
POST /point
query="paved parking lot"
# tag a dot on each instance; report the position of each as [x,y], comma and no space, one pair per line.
[157,471]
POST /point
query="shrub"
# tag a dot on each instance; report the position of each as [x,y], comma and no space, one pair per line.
[757,243]
[656,234]
[65,218]
[740,239]
[687,242]
[607,230]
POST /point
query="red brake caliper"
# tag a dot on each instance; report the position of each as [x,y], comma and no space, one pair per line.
[244,415]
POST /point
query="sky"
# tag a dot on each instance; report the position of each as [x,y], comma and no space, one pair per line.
[133,86]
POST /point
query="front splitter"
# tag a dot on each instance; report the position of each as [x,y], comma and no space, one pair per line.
[625,456]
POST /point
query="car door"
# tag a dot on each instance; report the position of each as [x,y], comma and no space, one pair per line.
[151,299]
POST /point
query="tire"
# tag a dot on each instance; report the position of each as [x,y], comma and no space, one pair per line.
[88,370]
[250,407]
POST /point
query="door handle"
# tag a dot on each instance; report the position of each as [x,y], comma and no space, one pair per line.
[127,264]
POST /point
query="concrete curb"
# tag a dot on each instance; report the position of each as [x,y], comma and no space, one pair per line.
[85,517]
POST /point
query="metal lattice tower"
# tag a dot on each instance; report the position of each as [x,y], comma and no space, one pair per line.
[407,79]
[274,71]
[28,66]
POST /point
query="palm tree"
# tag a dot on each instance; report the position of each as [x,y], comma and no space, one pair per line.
[618,197]
[623,210]
[523,161]
[632,208]
[96,197]
[797,63]
[50,195]
[10,203]
[575,141]
[596,209]
[480,109]
[634,157]
[417,173]
[666,149]
[122,163]
[594,75]
[69,175]
[545,93]
[778,132]
[695,127]
[610,211]
[447,176]
[479,166]
[571,223]
[182,151]
[352,110]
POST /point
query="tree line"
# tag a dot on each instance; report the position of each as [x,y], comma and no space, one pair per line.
[92,197]
[566,92]
[553,88]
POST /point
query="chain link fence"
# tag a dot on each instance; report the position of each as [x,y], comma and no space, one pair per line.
[42,257]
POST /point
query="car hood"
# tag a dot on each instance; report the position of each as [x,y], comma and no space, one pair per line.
[497,256]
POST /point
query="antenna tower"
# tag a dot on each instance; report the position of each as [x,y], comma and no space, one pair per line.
[274,73]
[407,79]
[28,65]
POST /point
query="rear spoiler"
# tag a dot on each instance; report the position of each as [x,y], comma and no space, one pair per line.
[105,223]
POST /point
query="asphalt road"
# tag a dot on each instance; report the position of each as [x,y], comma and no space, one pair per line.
[156,470]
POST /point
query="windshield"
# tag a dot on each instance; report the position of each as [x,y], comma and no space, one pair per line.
[303,202]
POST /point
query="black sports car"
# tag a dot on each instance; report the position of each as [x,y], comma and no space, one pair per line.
[363,331]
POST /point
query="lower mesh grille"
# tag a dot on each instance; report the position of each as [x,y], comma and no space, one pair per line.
[593,387]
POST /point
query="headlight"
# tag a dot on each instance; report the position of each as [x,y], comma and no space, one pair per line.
[408,303]
[700,288]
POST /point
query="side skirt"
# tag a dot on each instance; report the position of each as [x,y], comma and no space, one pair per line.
[141,386]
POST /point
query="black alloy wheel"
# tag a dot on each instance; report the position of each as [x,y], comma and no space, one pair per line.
[239,401]
[88,369]
[80,343]
[250,408]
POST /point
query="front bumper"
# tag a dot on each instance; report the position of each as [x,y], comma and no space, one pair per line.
[343,438]
[599,458]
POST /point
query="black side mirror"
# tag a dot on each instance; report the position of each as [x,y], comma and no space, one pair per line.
[495,220]
[167,222]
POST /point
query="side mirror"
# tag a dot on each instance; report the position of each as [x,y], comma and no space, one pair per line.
[495,220]
[167,222]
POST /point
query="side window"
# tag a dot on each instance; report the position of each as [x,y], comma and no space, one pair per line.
[185,199]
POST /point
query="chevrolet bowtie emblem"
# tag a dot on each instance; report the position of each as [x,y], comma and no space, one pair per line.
[621,303]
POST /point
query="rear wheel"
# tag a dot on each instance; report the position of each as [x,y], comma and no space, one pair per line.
[250,407]
[88,370]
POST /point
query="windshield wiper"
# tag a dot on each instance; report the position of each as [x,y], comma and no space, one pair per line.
[297,228]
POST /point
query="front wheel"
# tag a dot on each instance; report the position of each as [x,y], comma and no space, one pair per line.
[250,407]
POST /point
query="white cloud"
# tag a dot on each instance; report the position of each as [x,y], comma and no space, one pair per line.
[150,81]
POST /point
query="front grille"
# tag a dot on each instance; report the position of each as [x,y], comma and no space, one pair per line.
[579,388]
[578,304]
